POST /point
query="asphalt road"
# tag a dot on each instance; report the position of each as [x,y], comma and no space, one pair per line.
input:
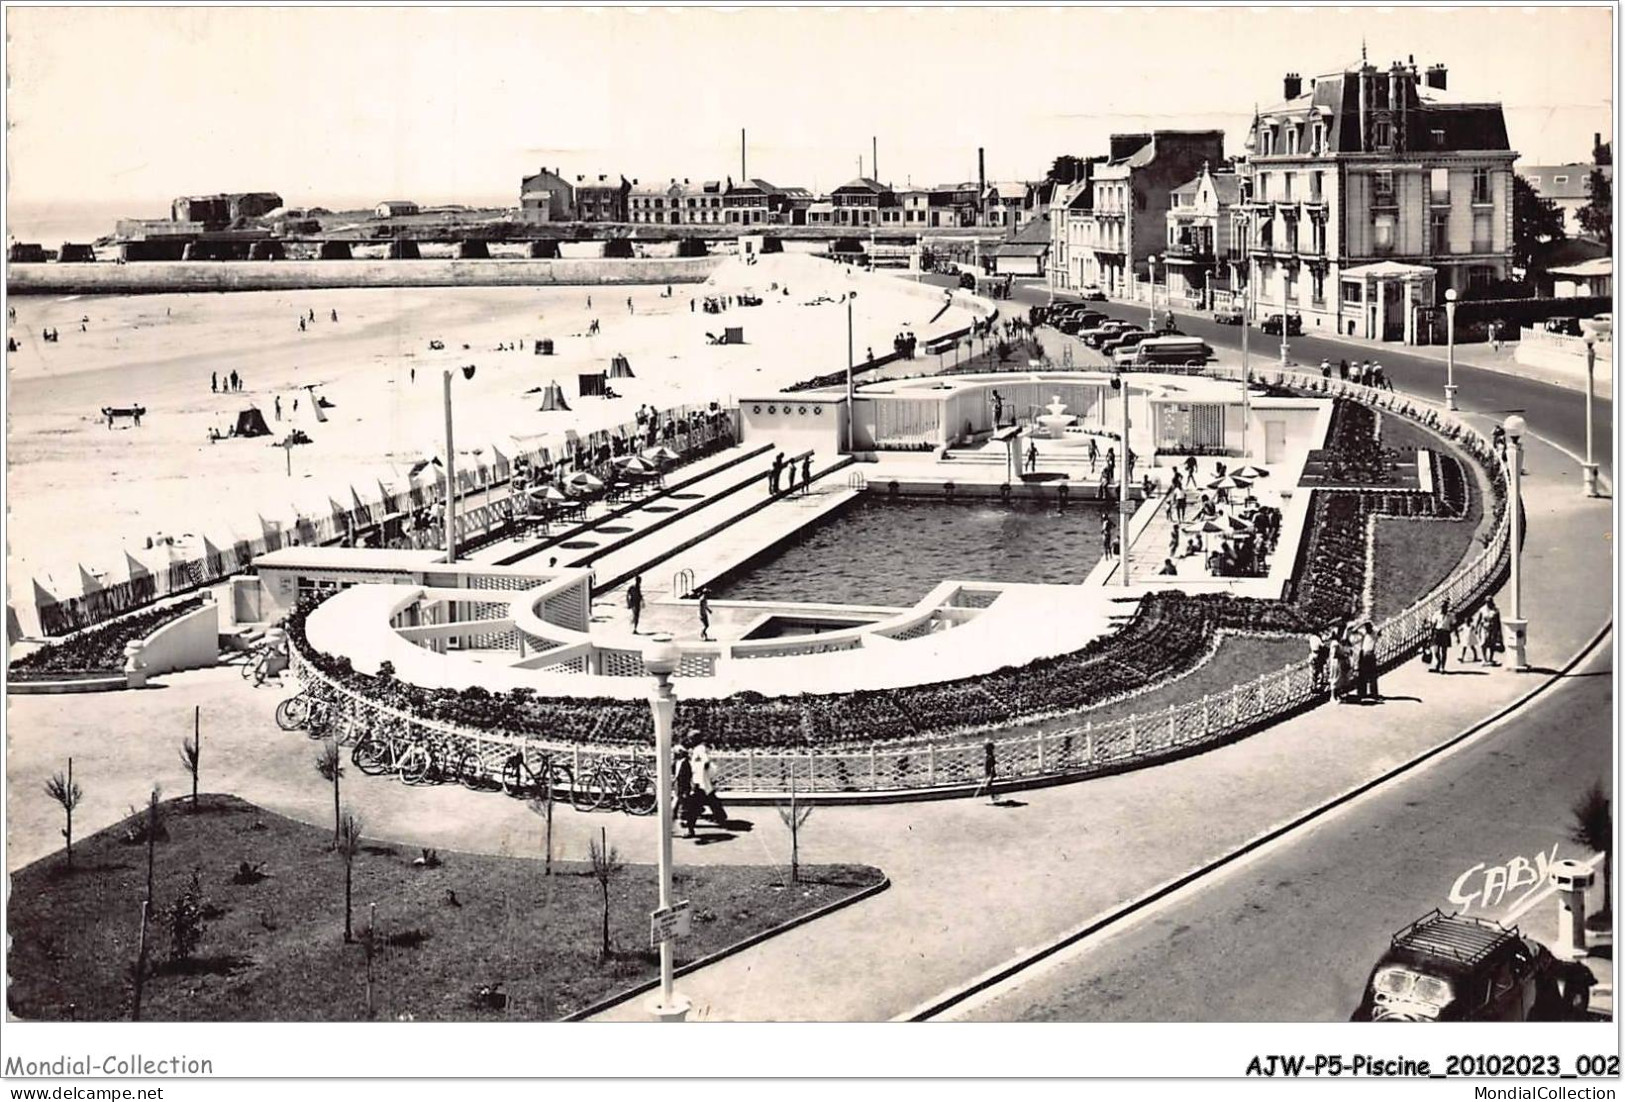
[1292,935]
[1553,412]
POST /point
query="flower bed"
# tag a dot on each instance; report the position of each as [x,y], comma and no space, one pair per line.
[100,650]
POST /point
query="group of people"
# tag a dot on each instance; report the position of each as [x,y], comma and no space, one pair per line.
[695,784]
[903,344]
[1366,373]
[1343,659]
[311,317]
[1478,638]
[784,471]
[231,384]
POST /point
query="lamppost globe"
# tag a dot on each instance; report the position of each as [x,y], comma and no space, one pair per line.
[1515,426]
[661,655]
[1450,295]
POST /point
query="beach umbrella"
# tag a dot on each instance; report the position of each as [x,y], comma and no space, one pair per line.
[633,464]
[549,493]
[662,454]
[1251,472]
[1229,482]
[581,480]
[1208,527]
[1238,525]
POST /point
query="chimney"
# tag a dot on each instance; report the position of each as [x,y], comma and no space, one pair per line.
[874,155]
[1292,86]
[1123,145]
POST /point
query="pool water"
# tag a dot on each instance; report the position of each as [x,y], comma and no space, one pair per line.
[879,551]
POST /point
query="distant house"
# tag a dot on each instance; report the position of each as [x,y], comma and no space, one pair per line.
[220,211]
[1585,279]
[864,202]
[1566,186]
[544,197]
[600,198]
[1005,204]
[395,208]
[1025,253]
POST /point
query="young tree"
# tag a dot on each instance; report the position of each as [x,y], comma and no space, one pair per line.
[1597,216]
[542,805]
[66,791]
[190,756]
[330,764]
[348,845]
[795,817]
[606,866]
[1534,221]
[186,921]
[1593,828]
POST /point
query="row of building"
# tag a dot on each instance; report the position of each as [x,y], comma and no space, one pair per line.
[863,203]
[1362,196]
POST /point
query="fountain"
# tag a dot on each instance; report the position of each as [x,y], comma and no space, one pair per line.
[1056,420]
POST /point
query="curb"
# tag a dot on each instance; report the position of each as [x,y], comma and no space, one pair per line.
[729,950]
[1005,971]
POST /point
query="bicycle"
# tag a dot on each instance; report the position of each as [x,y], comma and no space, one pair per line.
[258,668]
[547,777]
[375,753]
[304,710]
[611,784]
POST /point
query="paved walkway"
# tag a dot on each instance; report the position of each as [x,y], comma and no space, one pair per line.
[973,884]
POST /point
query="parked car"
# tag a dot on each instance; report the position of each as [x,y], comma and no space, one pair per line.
[1455,968]
[1093,336]
[1272,325]
[1072,323]
[1128,338]
[1228,315]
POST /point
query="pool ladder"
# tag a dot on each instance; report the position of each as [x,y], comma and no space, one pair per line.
[856,481]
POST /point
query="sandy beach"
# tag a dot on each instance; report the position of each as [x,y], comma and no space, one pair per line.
[80,493]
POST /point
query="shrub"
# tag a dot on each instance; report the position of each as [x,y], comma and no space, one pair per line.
[100,649]
[618,248]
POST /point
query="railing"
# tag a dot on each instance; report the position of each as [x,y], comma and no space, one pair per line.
[1068,749]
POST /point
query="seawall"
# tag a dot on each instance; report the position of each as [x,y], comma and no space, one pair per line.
[176,277]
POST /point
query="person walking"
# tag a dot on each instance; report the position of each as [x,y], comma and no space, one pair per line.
[1367,664]
[1094,454]
[1493,642]
[214,382]
[634,601]
[1467,632]
[705,781]
[1032,456]
[1339,646]
[774,474]
[990,772]
[629,309]
[806,472]
[683,807]
[1318,654]
[1440,639]
[277,403]
[1343,370]
[705,615]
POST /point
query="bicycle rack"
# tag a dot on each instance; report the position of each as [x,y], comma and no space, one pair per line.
[682,582]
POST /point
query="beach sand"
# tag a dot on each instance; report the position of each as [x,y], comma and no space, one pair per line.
[80,493]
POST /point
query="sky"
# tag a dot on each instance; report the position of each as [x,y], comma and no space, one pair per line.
[347,106]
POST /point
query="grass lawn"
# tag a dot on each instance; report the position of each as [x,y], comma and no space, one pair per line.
[1413,556]
[273,950]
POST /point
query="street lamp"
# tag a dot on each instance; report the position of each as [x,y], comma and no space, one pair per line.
[660,658]
[1151,294]
[1589,467]
[1246,360]
[1516,626]
[851,391]
[1450,349]
[1122,489]
[451,469]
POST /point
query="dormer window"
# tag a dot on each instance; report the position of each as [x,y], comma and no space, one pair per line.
[1291,140]
[1320,139]
[1383,135]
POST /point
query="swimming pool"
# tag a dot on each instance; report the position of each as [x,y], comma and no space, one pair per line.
[880,551]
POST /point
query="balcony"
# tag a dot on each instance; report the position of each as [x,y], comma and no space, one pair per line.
[1197,252]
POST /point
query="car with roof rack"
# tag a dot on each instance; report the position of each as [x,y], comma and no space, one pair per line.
[1457,968]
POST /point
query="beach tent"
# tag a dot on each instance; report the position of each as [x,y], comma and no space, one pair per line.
[591,384]
[251,422]
[553,399]
[620,368]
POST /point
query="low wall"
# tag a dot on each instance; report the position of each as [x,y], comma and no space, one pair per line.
[191,642]
[1565,357]
[282,275]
